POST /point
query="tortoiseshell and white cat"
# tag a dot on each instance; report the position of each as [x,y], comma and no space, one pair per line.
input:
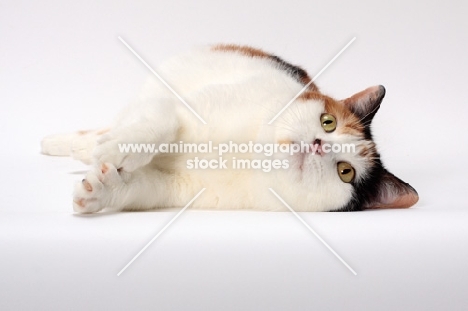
[237,90]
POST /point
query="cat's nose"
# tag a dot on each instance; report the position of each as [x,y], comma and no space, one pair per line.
[317,147]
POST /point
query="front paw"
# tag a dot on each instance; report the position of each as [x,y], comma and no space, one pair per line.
[123,155]
[97,190]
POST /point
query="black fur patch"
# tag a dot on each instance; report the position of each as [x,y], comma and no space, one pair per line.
[367,189]
[294,71]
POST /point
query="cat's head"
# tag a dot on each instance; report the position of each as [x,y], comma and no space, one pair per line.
[343,169]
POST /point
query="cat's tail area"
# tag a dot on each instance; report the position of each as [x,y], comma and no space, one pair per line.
[79,145]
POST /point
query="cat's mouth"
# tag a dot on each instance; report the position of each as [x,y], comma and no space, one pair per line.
[313,149]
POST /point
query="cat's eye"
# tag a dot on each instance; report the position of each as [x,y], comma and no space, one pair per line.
[328,122]
[346,172]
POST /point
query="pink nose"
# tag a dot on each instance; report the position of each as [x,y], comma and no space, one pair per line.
[317,147]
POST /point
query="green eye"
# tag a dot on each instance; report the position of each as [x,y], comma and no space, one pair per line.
[346,172]
[328,122]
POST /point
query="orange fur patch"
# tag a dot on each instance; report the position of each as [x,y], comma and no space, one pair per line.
[246,50]
[347,122]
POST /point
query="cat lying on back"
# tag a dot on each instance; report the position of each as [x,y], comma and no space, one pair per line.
[237,90]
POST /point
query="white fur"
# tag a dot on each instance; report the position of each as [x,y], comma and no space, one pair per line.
[236,96]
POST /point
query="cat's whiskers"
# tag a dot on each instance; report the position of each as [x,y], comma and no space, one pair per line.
[287,121]
[288,128]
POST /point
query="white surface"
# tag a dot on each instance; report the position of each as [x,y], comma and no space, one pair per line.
[62,68]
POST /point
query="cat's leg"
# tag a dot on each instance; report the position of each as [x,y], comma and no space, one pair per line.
[147,123]
[78,145]
[83,145]
[142,189]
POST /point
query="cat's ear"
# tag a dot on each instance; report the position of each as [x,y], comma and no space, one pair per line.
[366,103]
[393,193]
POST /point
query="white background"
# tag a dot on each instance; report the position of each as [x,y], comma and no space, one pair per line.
[62,68]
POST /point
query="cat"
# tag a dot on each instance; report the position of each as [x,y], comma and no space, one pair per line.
[236,90]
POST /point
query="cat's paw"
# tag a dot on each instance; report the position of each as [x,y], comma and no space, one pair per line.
[82,147]
[111,149]
[97,189]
